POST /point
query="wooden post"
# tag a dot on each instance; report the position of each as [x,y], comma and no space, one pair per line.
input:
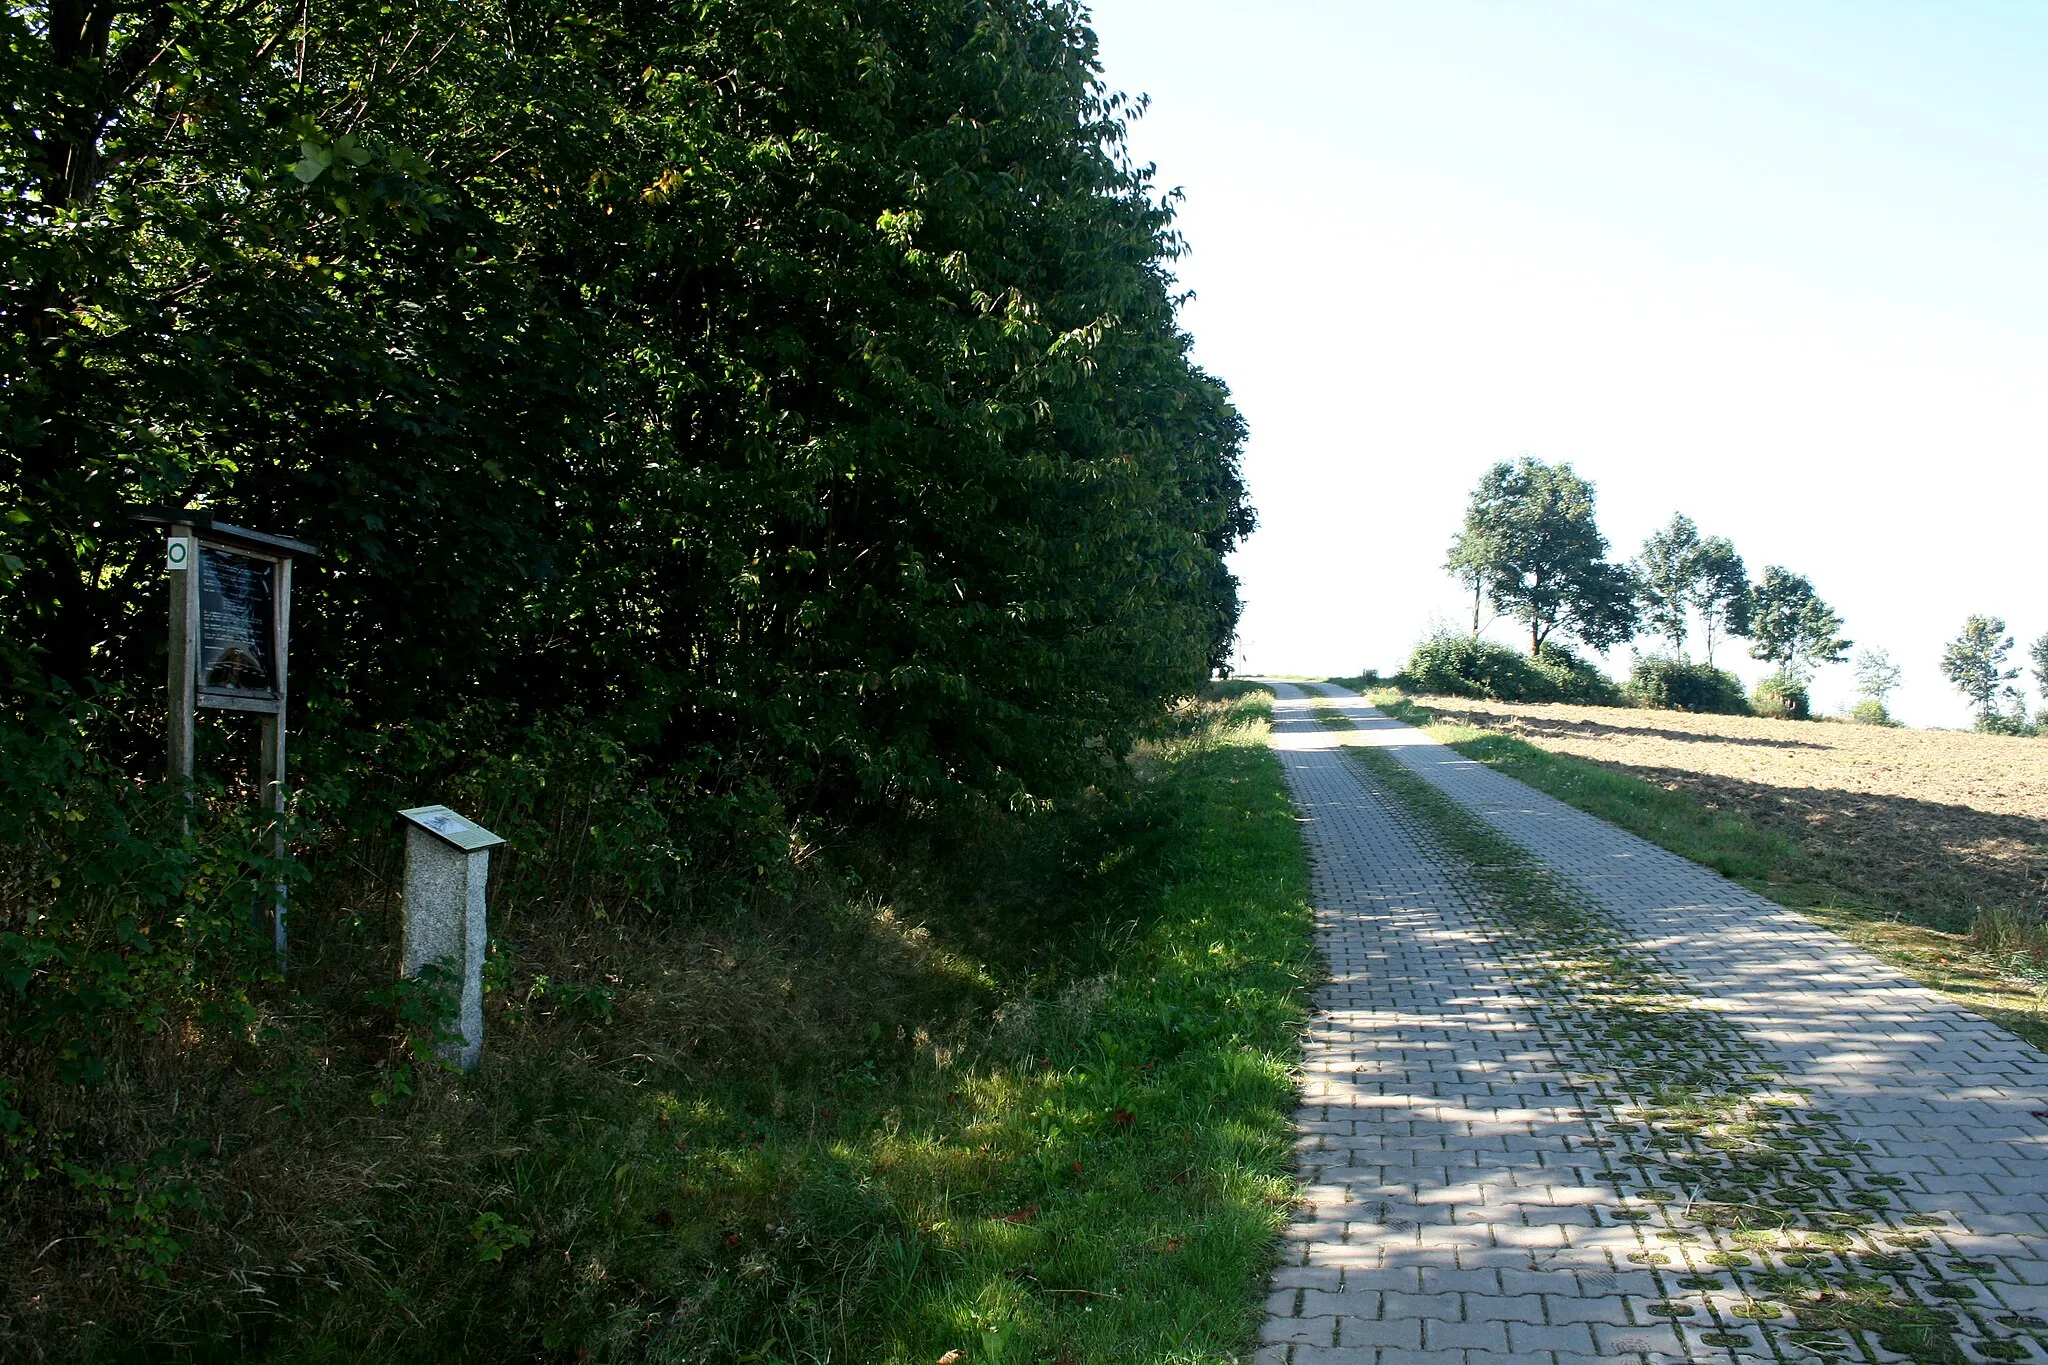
[181,557]
[210,646]
[271,762]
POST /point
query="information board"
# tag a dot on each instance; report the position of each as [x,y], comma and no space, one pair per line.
[237,623]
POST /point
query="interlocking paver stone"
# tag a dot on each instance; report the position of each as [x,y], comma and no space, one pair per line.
[1454,1206]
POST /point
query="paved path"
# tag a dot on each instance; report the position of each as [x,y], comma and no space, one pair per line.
[1474,1187]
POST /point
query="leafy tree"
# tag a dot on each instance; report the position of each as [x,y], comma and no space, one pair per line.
[1530,540]
[1792,627]
[1471,552]
[794,391]
[1721,591]
[2038,652]
[1667,579]
[1975,662]
[1679,572]
[1877,677]
[780,407]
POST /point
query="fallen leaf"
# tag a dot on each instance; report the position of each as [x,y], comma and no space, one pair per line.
[951,1358]
[1023,1215]
[1125,1118]
[1173,1244]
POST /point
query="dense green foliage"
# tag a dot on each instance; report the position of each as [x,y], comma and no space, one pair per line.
[1664,579]
[1454,665]
[790,394]
[1530,543]
[1790,626]
[1782,696]
[1975,663]
[1679,572]
[1721,592]
[1033,1092]
[725,424]
[796,389]
[1673,684]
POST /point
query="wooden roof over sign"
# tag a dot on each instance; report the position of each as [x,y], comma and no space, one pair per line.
[203,522]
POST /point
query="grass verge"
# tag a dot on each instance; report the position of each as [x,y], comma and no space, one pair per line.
[1023,1094]
[1763,860]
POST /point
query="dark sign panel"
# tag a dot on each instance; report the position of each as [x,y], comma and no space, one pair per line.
[237,613]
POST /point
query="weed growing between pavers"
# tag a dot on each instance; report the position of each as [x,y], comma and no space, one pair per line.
[1755,1213]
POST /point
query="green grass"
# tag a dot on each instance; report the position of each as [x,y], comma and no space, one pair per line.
[1762,860]
[1145,1129]
[1723,840]
[1070,1143]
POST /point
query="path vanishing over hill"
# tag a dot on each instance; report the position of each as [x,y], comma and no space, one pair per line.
[1573,1097]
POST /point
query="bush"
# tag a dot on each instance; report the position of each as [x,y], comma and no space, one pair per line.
[1675,685]
[2013,722]
[1870,711]
[1574,679]
[1463,666]
[859,476]
[1782,697]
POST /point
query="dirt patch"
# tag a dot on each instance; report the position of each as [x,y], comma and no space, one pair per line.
[1933,824]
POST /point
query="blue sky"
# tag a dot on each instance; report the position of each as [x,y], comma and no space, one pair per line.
[1782,268]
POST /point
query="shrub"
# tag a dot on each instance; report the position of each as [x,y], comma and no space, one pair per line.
[1870,711]
[974,539]
[2013,722]
[1462,666]
[1675,685]
[1782,697]
[1465,666]
[1574,679]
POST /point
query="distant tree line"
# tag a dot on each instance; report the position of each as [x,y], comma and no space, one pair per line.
[1531,550]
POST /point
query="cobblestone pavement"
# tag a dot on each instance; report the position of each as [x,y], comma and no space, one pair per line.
[1481,1174]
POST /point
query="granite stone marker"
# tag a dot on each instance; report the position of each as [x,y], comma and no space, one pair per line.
[447,866]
